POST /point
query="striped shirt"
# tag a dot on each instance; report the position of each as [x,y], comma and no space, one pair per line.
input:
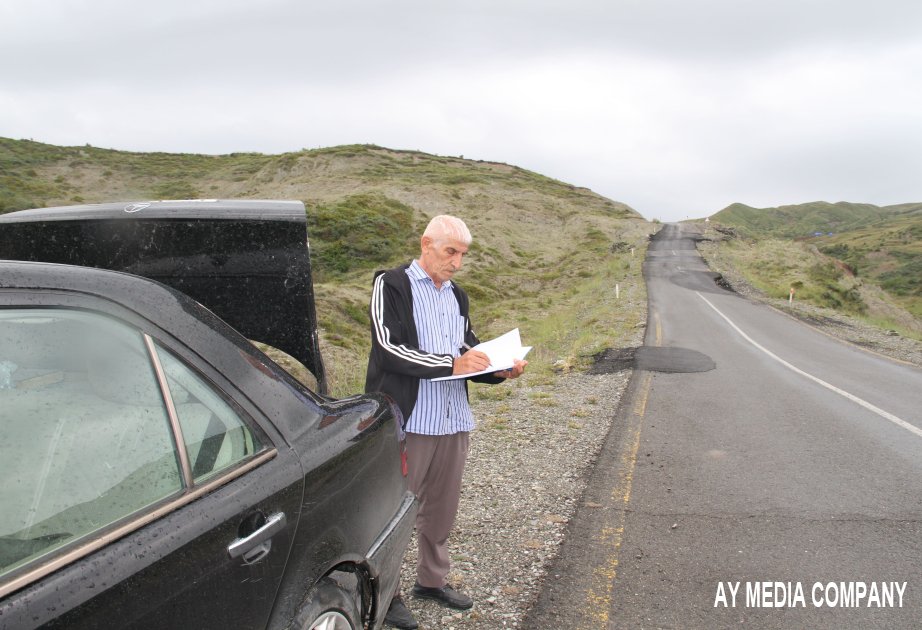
[441,406]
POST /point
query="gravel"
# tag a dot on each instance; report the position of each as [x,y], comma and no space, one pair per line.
[535,444]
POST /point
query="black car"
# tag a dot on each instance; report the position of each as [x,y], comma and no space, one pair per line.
[158,469]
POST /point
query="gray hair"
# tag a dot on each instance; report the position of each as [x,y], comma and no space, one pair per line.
[445,226]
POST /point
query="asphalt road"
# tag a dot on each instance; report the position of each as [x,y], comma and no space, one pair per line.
[749,448]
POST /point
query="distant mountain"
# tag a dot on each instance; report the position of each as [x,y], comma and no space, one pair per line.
[806,219]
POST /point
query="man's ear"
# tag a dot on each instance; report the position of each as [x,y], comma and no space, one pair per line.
[425,243]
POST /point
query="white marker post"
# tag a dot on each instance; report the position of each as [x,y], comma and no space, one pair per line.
[791,296]
[617,291]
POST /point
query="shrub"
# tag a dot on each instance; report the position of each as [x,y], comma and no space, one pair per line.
[359,232]
[904,281]
[175,189]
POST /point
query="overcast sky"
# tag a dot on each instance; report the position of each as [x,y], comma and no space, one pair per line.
[675,107]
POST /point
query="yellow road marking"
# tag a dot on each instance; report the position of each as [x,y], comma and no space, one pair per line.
[608,539]
[640,406]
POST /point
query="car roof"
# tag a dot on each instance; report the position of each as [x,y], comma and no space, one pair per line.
[148,298]
[211,209]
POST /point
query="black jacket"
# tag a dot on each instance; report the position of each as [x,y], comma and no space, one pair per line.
[396,363]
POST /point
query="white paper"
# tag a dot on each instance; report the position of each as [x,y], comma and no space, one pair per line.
[503,351]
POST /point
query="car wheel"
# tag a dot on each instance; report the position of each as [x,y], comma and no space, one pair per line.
[331,605]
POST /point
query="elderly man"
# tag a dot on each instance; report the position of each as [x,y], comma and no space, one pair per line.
[421,331]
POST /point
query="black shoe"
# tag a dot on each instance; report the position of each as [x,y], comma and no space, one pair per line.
[446,596]
[399,616]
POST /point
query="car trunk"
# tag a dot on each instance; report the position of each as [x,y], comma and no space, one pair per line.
[247,261]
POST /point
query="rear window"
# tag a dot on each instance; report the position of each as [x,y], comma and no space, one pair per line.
[86,437]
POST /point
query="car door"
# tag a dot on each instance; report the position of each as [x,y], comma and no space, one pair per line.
[140,491]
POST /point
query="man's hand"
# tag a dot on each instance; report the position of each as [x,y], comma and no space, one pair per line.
[514,372]
[471,361]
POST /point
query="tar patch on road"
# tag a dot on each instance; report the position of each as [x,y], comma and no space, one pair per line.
[613,360]
[722,282]
[652,359]
[696,280]
[676,360]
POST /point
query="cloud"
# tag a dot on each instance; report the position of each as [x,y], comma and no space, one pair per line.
[677,108]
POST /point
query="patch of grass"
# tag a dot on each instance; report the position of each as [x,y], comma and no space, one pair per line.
[178,189]
[543,399]
[490,392]
[498,423]
[905,281]
[357,312]
[827,289]
[580,314]
[357,232]
[775,266]
[537,376]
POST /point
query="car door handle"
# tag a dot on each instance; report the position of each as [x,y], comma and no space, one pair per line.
[259,541]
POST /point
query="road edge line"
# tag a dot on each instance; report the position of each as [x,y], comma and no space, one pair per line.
[886,415]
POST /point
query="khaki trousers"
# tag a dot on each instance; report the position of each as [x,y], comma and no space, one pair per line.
[436,465]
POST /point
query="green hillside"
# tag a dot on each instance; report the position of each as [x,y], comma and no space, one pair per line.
[889,254]
[857,258]
[803,220]
[546,254]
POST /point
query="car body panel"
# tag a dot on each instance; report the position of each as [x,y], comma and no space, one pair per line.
[336,476]
[385,557]
[174,572]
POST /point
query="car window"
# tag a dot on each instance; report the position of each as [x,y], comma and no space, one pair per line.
[215,436]
[86,436]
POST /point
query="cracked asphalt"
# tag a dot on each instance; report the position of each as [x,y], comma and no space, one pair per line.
[776,455]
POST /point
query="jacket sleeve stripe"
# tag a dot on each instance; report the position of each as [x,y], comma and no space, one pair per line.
[383,335]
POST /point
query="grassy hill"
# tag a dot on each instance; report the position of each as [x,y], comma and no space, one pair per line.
[546,254]
[889,253]
[865,261]
[803,220]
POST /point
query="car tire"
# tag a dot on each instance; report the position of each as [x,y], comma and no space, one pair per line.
[332,605]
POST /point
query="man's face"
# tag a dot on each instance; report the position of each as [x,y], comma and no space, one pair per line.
[441,258]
